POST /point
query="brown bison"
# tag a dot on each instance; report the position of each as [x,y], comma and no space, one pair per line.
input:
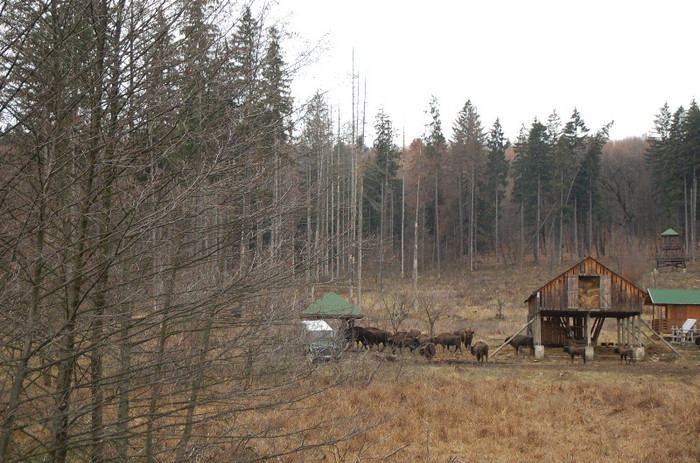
[481,351]
[428,350]
[626,353]
[446,340]
[414,332]
[424,339]
[466,335]
[401,340]
[576,350]
[519,341]
[360,335]
[369,336]
[377,336]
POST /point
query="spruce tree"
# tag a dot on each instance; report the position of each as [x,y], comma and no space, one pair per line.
[468,142]
[496,181]
[533,176]
[434,147]
[568,156]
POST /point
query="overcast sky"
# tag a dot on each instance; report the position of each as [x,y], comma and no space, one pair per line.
[516,60]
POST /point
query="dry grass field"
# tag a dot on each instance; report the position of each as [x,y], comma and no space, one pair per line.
[509,410]
[404,408]
[375,405]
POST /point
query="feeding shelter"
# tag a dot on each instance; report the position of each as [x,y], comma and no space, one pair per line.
[671,308]
[573,307]
[670,250]
[332,307]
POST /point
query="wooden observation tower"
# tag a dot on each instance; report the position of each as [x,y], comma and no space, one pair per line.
[670,251]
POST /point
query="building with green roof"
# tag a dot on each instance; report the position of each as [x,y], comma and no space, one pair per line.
[331,306]
[672,307]
[670,250]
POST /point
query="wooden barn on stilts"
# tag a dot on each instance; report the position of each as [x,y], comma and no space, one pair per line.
[573,307]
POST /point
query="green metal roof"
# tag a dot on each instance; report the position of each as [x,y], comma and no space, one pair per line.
[670,232]
[332,306]
[675,296]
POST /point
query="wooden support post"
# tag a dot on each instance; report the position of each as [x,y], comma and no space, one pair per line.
[639,329]
[537,330]
[619,333]
[537,337]
[587,327]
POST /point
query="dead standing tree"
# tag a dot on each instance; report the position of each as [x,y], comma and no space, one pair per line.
[126,226]
[435,307]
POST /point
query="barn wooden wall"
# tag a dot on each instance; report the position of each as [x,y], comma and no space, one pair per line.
[624,296]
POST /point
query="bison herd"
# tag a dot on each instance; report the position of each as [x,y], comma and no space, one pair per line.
[371,337]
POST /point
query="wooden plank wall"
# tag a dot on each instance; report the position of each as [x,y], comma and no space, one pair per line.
[621,296]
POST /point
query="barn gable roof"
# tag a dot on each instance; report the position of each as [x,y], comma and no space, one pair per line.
[587,264]
[331,306]
[673,297]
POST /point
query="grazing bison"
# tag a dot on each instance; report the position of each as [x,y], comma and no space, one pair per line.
[466,335]
[428,350]
[481,351]
[576,350]
[697,340]
[448,339]
[369,336]
[375,337]
[424,339]
[625,353]
[414,332]
[401,340]
[360,335]
[519,341]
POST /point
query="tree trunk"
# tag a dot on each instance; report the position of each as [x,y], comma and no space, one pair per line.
[359,239]
[403,217]
[28,338]
[195,387]
[159,361]
[415,239]
[590,221]
[472,220]
[576,245]
[496,229]
[522,233]
[694,217]
[437,223]
[560,244]
[124,385]
[537,228]
[460,208]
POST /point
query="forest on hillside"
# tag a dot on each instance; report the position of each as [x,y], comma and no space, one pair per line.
[165,204]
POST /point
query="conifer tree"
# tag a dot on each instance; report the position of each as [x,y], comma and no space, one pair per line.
[496,181]
[568,155]
[532,166]
[434,147]
[586,189]
[690,152]
[468,152]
